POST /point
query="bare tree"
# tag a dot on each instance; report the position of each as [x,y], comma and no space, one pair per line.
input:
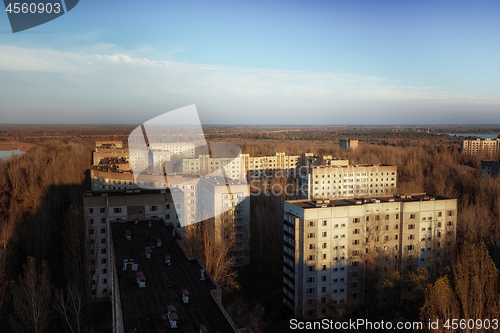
[32,297]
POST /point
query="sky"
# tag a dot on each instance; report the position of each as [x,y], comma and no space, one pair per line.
[297,62]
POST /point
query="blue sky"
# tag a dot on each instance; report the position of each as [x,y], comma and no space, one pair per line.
[260,62]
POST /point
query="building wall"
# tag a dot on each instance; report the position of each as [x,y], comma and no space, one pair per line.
[102,210]
[325,247]
[490,168]
[349,181]
[348,144]
[490,148]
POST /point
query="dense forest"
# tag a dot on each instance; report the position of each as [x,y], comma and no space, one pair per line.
[44,285]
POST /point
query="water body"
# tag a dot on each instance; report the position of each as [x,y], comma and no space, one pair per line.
[8,153]
[484,136]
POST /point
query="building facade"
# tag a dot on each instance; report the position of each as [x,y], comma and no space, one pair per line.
[327,244]
[347,181]
[348,144]
[255,166]
[489,148]
[101,209]
[490,168]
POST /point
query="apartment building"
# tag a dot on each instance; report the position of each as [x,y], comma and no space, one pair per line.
[489,148]
[101,209]
[327,244]
[204,165]
[490,168]
[348,144]
[347,181]
[231,210]
[257,166]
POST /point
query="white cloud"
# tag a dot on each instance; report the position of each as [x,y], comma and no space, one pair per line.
[120,84]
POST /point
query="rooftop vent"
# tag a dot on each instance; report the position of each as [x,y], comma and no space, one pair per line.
[148,252]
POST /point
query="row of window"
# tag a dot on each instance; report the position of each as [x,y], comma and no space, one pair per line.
[357,174]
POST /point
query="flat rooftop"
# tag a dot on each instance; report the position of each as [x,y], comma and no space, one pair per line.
[350,166]
[321,203]
[142,308]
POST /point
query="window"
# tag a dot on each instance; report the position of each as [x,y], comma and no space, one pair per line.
[324,267]
[367,219]
[324,256]
[450,213]
[411,237]
[104,291]
[103,220]
[103,230]
[439,224]
[397,216]
[104,281]
[91,210]
[310,268]
[450,223]
[440,214]
[102,210]
[355,263]
[409,247]
[324,234]
[91,231]
[355,231]
[412,216]
[311,235]
[396,237]
[311,257]
[386,227]
[153,208]
[356,220]
[387,217]
[310,291]
[323,278]
[117,210]
[103,240]
[312,223]
[411,226]
[104,271]
[325,223]
[355,242]
[103,251]
[91,221]
[312,246]
[310,279]
[323,246]
[103,261]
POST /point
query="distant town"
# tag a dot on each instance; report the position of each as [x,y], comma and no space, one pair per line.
[305,224]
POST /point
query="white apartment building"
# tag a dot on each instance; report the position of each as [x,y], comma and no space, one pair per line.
[255,166]
[186,150]
[231,211]
[205,165]
[328,242]
[347,181]
[489,148]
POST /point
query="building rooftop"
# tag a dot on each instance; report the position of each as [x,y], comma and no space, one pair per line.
[113,193]
[323,203]
[143,308]
[351,166]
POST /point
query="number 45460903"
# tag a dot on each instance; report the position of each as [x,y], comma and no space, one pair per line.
[33,8]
